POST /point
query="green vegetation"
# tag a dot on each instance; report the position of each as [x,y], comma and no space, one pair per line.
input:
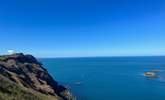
[12,91]
[2,58]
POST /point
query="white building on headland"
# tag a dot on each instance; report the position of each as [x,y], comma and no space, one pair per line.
[11,52]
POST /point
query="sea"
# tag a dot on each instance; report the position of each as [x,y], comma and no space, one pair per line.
[109,78]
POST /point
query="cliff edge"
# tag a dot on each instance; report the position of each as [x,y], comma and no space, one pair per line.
[26,74]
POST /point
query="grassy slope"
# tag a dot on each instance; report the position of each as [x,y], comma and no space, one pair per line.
[12,91]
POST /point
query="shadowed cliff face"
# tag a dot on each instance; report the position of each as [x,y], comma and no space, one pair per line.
[26,71]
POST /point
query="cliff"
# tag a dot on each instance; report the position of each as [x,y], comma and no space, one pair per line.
[24,73]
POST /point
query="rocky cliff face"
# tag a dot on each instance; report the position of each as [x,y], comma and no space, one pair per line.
[27,72]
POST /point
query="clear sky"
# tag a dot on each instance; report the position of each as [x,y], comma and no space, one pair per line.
[71,28]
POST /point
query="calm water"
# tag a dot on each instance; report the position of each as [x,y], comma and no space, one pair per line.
[119,78]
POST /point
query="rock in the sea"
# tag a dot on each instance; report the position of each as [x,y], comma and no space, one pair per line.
[151,74]
[27,72]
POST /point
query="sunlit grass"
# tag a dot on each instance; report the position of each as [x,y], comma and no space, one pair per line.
[12,91]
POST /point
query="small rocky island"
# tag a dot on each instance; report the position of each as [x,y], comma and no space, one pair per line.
[22,77]
[152,73]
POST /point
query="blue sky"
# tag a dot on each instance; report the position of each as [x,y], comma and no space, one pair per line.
[71,28]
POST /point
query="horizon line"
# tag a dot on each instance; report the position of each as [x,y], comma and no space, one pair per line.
[103,56]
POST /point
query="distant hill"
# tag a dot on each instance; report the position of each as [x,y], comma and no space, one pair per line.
[24,78]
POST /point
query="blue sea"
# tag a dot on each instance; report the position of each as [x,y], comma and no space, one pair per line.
[109,78]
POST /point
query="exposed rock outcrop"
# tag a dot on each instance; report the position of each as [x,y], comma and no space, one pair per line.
[27,72]
[153,73]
